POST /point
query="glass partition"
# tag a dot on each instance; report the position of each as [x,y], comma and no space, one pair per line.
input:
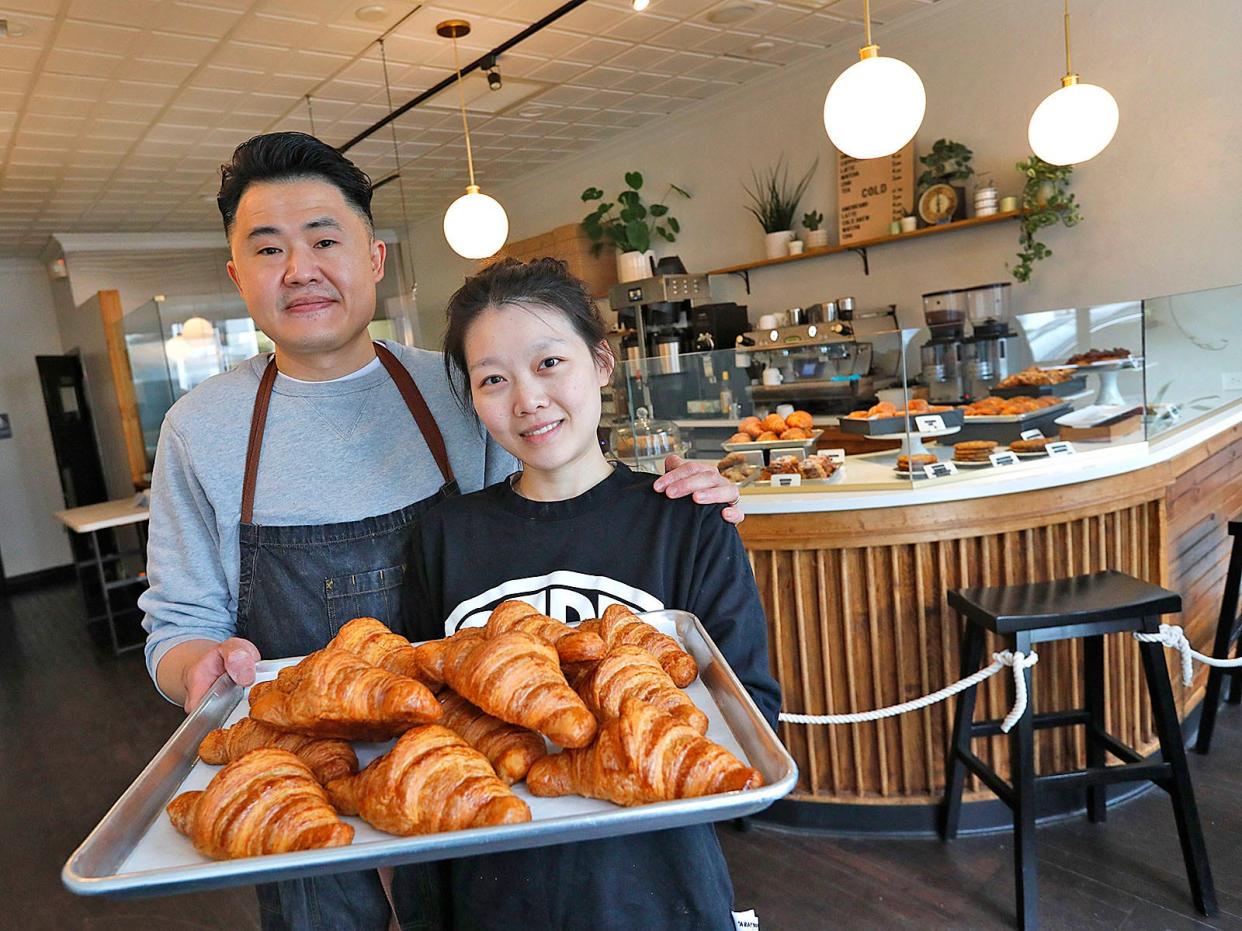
[1194,356]
[175,343]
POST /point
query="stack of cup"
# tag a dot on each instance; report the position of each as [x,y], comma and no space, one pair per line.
[985,201]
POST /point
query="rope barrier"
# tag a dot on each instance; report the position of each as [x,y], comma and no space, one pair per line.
[1017,661]
[1173,636]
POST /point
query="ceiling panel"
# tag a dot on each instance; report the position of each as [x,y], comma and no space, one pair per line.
[116,114]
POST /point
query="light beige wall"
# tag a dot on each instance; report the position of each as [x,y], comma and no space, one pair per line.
[1160,204]
[30,539]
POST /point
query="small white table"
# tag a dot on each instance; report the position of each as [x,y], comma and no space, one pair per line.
[89,520]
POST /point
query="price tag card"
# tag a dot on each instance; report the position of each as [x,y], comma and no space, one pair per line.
[939,469]
[1003,459]
[786,480]
[1032,434]
[1060,448]
[834,455]
[929,423]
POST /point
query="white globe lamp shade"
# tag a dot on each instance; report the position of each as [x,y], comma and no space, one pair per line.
[475,225]
[1073,123]
[874,107]
[197,328]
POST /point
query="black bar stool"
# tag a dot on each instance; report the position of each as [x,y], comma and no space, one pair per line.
[1087,606]
[1226,635]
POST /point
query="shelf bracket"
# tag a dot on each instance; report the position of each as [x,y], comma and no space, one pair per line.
[745,276]
[862,251]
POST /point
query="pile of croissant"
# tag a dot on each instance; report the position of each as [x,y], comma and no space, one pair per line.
[470,714]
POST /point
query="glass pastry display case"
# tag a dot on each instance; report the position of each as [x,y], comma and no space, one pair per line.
[1098,380]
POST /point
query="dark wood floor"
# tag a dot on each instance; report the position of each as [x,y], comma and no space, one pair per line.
[77,724]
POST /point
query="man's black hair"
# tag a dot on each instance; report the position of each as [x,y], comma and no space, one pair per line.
[290,157]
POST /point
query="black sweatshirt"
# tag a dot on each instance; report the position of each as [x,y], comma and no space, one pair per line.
[623,542]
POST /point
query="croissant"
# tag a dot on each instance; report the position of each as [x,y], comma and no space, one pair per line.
[515,676]
[430,655]
[645,755]
[620,625]
[430,781]
[379,646]
[509,748]
[573,645]
[327,758]
[266,802]
[632,672]
[333,693]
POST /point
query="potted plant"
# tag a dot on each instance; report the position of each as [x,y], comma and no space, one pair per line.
[775,203]
[948,163]
[1046,201]
[632,227]
[816,238]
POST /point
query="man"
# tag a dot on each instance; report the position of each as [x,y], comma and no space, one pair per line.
[285,490]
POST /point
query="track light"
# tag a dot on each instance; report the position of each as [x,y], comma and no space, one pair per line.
[492,66]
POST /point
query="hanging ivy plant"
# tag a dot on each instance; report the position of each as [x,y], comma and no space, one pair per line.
[1046,201]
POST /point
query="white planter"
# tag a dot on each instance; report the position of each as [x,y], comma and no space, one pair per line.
[816,239]
[776,245]
[634,266]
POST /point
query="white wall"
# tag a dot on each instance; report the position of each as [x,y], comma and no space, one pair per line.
[1160,204]
[30,539]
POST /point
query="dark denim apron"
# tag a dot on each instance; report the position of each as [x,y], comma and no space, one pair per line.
[298,586]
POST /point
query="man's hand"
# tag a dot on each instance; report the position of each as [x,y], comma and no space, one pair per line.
[704,482]
[234,656]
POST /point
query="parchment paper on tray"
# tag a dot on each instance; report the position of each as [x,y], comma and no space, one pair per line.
[135,851]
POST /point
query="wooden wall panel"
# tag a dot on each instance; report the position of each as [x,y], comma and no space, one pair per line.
[858,617]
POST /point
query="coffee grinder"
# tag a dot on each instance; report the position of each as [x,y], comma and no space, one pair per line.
[941,356]
[986,351]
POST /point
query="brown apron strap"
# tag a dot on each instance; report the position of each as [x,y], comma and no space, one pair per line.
[258,420]
[418,407]
[409,392]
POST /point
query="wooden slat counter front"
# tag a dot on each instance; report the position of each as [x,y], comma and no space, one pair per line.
[854,589]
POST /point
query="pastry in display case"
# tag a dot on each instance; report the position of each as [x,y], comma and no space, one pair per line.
[644,443]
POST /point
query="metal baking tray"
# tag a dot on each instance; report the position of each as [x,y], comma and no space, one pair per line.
[895,426]
[807,444]
[1061,389]
[134,851]
[1058,408]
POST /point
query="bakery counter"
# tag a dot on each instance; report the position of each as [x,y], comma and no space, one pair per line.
[854,581]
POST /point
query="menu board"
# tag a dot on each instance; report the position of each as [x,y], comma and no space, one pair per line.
[873,192]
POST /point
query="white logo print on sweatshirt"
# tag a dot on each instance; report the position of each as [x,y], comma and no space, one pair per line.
[567,596]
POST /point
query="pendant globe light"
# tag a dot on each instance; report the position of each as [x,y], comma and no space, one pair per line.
[1075,122]
[475,225]
[876,105]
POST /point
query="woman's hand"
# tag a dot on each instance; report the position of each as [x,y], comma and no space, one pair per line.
[234,656]
[701,480]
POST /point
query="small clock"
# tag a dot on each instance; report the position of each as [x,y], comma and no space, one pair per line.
[937,204]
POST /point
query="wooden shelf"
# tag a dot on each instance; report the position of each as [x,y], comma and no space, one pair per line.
[862,245]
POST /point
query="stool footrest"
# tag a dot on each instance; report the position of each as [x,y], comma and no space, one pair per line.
[1114,746]
[1002,789]
[1047,719]
[1158,773]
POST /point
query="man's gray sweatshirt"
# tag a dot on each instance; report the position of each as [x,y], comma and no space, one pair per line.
[332,451]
